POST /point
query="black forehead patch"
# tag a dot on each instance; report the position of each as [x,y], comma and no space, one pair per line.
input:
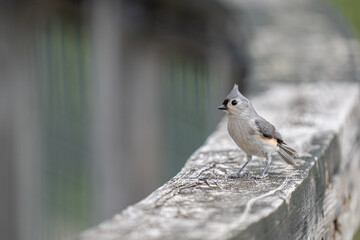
[226,101]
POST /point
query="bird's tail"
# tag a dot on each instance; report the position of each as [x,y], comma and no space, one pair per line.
[287,153]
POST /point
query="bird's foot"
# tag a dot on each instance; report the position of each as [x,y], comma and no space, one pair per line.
[258,177]
[240,175]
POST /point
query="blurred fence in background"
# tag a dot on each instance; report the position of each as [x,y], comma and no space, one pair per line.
[103,101]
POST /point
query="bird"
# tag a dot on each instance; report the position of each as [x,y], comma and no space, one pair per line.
[252,133]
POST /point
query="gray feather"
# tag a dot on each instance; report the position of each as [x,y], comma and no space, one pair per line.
[292,152]
[285,156]
[265,128]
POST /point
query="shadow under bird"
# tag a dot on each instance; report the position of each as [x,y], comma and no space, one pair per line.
[252,133]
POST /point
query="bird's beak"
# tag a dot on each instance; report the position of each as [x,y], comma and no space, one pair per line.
[222,107]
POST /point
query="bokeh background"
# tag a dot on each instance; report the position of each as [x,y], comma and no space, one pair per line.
[102,101]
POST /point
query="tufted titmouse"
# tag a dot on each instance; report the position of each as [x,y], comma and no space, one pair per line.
[252,133]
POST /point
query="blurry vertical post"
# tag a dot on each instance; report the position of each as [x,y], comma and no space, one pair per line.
[52,120]
[109,159]
[62,52]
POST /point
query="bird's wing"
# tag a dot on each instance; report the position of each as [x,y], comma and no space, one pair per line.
[278,137]
[267,129]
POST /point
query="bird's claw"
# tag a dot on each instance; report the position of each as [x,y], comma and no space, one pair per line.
[240,175]
[257,177]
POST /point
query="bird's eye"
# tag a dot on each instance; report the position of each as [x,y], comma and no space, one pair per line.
[234,102]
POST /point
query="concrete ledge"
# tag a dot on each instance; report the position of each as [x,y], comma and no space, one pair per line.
[317,198]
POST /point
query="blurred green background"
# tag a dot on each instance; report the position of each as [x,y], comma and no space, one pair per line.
[350,10]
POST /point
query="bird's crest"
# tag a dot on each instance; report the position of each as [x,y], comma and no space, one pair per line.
[235,93]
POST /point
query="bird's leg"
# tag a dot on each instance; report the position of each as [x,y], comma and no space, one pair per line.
[264,174]
[248,159]
[268,161]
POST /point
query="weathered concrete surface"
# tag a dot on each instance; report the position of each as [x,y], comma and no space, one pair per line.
[308,200]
